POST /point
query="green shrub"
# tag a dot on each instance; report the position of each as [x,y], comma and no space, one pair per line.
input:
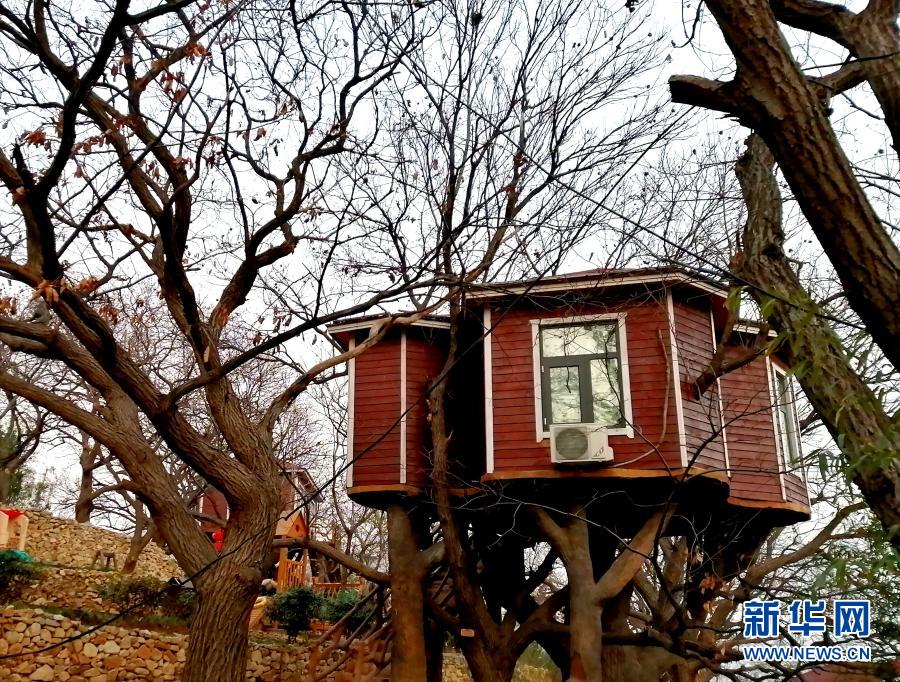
[294,609]
[143,594]
[178,603]
[341,604]
[16,574]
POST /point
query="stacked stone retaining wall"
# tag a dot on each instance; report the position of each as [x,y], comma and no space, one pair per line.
[68,543]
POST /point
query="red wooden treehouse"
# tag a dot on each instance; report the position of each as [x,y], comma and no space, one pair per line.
[580,382]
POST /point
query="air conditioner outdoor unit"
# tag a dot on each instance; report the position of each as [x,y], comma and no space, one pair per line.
[579,444]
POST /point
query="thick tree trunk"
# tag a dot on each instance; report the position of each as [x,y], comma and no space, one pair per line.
[434,649]
[228,586]
[485,665]
[585,620]
[217,646]
[871,36]
[773,97]
[408,655]
[645,664]
[869,439]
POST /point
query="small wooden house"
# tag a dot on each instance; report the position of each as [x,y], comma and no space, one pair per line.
[589,376]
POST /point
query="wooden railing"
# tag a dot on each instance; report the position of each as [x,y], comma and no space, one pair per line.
[293,573]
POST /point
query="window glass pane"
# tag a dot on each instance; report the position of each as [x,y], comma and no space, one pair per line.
[605,389]
[565,399]
[786,423]
[589,339]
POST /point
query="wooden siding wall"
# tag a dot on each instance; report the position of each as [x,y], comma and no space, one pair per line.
[376,412]
[750,431]
[746,405]
[655,445]
[424,361]
[702,419]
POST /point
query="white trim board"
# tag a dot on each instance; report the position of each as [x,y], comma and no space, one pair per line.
[779,455]
[488,393]
[351,399]
[715,346]
[776,370]
[352,325]
[628,429]
[676,377]
[600,282]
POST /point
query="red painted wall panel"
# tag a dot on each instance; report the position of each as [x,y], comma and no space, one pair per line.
[424,361]
[750,431]
[515,445]
[702,419]
[376,413]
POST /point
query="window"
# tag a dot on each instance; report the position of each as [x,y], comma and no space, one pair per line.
[581,374]
[787,418]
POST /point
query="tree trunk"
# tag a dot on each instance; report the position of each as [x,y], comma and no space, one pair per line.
[88,459]
[227,587]
[408,655]
[6,476]
[645,664]
[434,650]
[585,624]
[217,646]
[488,653]
[772,96]
[487,665]
[869,439]
[84,506]
[139,540]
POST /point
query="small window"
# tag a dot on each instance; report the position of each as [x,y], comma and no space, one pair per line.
[581,377]
[787,419]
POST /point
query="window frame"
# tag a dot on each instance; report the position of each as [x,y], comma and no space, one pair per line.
[541,392]
[788,438]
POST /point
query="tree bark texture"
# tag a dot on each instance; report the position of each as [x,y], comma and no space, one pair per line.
[771,95]
[227,590]
[408,648]
[868,438]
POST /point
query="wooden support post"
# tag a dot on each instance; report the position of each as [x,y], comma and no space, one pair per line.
[281,576]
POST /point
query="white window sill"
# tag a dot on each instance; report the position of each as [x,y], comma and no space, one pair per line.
[626,431]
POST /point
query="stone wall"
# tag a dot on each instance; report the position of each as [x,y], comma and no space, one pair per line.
[68,543]
[70,588]
[113,653]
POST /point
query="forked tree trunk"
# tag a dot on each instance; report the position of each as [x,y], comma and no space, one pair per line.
[488,665]
[140,538]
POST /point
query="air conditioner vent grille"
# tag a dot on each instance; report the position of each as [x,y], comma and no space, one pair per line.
[571,443]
